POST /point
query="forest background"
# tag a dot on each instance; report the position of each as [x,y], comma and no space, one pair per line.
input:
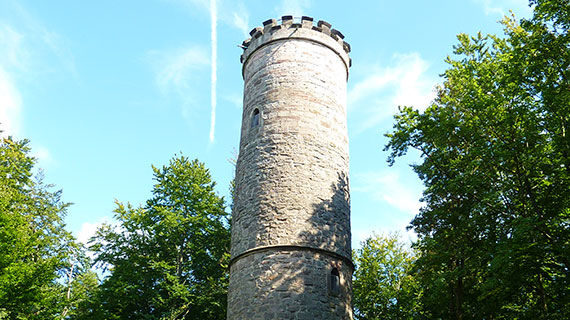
[492,231]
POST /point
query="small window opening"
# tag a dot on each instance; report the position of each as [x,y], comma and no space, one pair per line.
[335,281]
[255,118]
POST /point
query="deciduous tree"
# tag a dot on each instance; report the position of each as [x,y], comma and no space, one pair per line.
[494,233]
[383,285]
[167,259]
[40,263]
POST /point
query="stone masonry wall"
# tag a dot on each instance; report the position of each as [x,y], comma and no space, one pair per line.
[288,285]
[292,175]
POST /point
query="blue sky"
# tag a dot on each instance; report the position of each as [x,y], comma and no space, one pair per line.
[104,89]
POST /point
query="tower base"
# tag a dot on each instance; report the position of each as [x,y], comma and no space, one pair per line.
[286,282]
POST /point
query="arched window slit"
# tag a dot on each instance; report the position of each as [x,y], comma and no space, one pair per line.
[255,118]
[335,281]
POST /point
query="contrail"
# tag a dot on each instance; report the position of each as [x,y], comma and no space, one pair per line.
[213,18]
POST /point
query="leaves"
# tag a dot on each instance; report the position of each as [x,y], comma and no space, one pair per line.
[169,258]
[40,263]
[494,231]
[384,287]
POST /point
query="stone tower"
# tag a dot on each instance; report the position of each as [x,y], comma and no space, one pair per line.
[291,250]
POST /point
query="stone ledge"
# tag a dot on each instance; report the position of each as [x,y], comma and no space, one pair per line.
[290,248]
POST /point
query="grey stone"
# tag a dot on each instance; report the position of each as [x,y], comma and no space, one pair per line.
[291,215]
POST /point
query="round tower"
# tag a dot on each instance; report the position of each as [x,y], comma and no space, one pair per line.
[291,250]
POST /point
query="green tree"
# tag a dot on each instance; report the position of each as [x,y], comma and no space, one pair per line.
[168,259]
[494,234]
[383,284]
[39,260]
[81,292]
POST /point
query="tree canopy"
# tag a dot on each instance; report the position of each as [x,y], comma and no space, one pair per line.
[167,259]
[494,233]
[164,260]
[384,286]
[43,271]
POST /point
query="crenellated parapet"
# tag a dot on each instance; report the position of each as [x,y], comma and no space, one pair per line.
[286,29]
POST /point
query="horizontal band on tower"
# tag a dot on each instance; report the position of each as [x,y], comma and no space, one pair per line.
[289,247]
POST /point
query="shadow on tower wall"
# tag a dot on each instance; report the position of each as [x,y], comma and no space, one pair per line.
[295,282]
[330,220]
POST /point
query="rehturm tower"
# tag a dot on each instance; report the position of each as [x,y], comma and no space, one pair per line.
[291,250]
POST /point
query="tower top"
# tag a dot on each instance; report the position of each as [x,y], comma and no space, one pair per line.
[272,31]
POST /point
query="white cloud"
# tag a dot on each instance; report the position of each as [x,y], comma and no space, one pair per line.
[389,188]
[181,72]
[214,66]
[502,7]
[13,57]
[38,43]
[397,202]
[231,13]
[193,4]
[372,85]
[10,105]
[12,52]
[177,69]
[235,99]
[88,230]
[377,96]
[293,7]
[56,45]
[358,236]
[240,20]
[43,155]
[24,48]
[237,17]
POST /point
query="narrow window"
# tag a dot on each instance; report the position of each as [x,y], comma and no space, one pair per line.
[255,118]
[335,281]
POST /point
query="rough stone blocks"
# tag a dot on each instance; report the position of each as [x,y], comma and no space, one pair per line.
[291,216]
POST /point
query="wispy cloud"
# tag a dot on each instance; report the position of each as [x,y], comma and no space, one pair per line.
[235,99]
[56,44]
[12,52]
[214,65]
[178,69]
[13,57]
[376,96]
[293,7]
[181,72]
[193,4]
[397,201]
[27,50]
[231,13]
[43,155]
[10,105]
[502,7]
[41,44]
[388,187]
[240,19]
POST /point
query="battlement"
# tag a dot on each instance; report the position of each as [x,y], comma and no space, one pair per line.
[303,28]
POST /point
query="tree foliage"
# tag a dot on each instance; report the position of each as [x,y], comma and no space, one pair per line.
[167,259]
[383,285]
[40,263]
[494,233]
